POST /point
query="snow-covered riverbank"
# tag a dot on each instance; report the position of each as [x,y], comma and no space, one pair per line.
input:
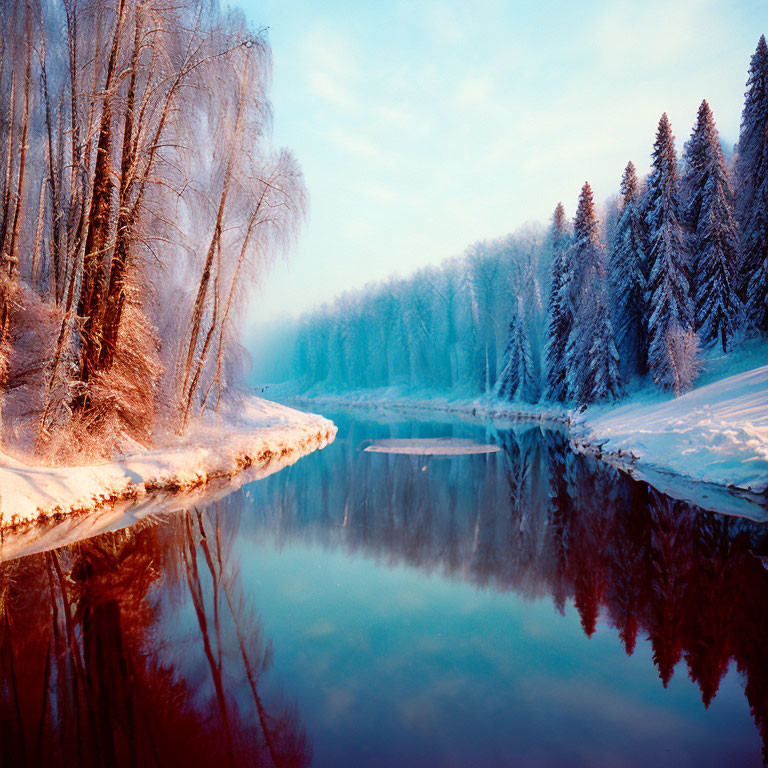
[699,447]
[717,433]
[255,435]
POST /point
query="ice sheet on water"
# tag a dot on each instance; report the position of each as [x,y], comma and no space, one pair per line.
[431,446]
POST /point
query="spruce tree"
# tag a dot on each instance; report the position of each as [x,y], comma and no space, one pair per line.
[694,154]
[590,349]
[627,266]
[668,295]
[560,309]
[713,240]
[517,380]
[604,379]
[752,186]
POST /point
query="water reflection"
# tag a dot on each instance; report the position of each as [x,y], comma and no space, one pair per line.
[95,649]
[540,520]
[144,646]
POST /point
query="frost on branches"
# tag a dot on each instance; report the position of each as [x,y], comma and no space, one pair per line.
[627,269]
[713,239]
[140,200]
[560,319]
[591,356]
[517,380]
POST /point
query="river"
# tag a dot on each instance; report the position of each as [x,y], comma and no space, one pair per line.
[524,607]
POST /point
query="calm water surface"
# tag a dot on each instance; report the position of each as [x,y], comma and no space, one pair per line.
[527,607]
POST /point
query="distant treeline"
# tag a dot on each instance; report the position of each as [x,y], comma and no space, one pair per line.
[441,328]
[679,263]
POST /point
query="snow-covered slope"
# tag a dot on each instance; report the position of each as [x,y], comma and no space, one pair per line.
[255,434]
[717,433]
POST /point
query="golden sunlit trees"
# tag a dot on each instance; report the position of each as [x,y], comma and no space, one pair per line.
[140,198]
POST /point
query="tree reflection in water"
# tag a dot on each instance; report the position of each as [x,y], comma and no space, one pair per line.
[540,520]
[94,672]
[142,647]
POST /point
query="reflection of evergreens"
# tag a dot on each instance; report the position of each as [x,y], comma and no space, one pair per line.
[541,520]
[93,674]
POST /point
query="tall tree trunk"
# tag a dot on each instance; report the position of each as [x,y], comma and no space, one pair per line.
[18,213]
[96,240]
[189,385]
[116,289]
[253,222]
[8,182]
[53,174]
[36,253]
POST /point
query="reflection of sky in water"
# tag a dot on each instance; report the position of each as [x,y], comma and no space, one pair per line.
[401,610]
[390,665]
[404,667]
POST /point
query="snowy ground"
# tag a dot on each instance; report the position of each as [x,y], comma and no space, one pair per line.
[717,433]
[257,436]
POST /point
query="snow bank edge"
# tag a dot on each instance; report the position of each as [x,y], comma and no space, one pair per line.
[280,436]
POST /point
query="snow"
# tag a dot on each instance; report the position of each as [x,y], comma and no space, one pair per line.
[431,446]
[256,435]
[717,433]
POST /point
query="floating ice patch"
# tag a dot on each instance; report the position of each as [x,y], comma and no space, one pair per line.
[431,446]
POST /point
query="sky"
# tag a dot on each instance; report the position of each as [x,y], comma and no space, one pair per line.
[422,127]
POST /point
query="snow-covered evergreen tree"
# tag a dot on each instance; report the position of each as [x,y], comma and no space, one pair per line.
[560,319]
[668,296]
[517,381]
[591,358]
[713,241]
[627,271]
[752,186]
[604,381]
[693,161]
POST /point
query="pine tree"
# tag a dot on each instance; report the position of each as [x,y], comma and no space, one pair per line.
[591,357]
[752,186]
[604,380]
[694,154]
[713,240]
[560,309]
[516,380]
[628,278]
[668,296]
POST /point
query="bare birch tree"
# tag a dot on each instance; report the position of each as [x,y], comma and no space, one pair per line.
[148,129]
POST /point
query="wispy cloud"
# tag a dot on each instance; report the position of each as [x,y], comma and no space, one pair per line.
[475,90]
[329,89]
[330,66]
[356,145]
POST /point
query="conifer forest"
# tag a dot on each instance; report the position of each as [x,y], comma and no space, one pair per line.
[670,268]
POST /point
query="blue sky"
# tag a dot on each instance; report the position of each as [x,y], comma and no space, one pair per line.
[424,126]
